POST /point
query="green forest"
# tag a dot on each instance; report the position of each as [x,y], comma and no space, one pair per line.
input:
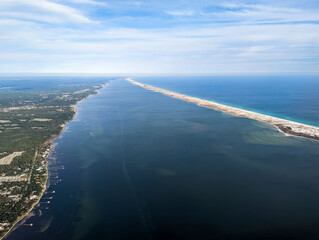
[31,115]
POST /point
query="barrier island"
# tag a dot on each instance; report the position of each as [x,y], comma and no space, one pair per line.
[286,126]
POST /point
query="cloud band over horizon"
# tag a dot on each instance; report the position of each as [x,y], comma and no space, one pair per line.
[182,36]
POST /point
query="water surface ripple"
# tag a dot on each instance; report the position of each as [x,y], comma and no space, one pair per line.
[140,165]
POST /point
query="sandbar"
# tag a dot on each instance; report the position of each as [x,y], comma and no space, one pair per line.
[286,126]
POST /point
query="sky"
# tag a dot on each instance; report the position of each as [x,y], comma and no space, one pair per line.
[159,36]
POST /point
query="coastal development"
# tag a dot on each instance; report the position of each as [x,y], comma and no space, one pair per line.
[286,126]
[29,120]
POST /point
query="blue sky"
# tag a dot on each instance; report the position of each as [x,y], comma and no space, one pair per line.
[164,36]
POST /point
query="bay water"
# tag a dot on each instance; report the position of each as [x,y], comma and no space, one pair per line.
[135,164]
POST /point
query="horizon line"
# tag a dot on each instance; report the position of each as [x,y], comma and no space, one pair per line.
[79,74]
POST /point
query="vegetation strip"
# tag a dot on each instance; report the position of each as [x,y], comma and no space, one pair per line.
[30,120]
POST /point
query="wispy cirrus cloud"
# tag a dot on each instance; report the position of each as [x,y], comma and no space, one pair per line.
[42,11]
[181,13]
[248,13]
[181,36]
[256,13]
[91,2]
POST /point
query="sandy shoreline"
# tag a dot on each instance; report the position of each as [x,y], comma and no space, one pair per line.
[28,214]
[286,126]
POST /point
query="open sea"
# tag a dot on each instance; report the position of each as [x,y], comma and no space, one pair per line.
[136,164]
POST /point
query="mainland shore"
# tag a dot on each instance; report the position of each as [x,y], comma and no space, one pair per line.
[45,185]
[286,126]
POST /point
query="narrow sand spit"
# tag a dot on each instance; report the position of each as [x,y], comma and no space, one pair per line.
[286,126]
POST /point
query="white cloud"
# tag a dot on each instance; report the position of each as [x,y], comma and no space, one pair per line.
[180,13]
[92,2]
[254,50]
[41,10]
[207,49]
[256,13]
[244,45]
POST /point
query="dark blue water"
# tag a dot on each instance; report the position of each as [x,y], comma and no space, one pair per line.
[141,165]
[289,97]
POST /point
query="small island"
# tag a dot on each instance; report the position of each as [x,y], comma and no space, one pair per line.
[32,114]
[286,126]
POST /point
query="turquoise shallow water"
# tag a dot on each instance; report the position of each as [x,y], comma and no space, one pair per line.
[141,165]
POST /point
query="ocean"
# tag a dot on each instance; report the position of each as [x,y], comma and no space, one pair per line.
[141,165]
[293,98]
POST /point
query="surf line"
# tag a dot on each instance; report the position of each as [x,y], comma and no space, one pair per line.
[286,126]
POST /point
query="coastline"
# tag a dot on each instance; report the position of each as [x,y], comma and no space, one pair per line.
[287,127]
[25,216]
